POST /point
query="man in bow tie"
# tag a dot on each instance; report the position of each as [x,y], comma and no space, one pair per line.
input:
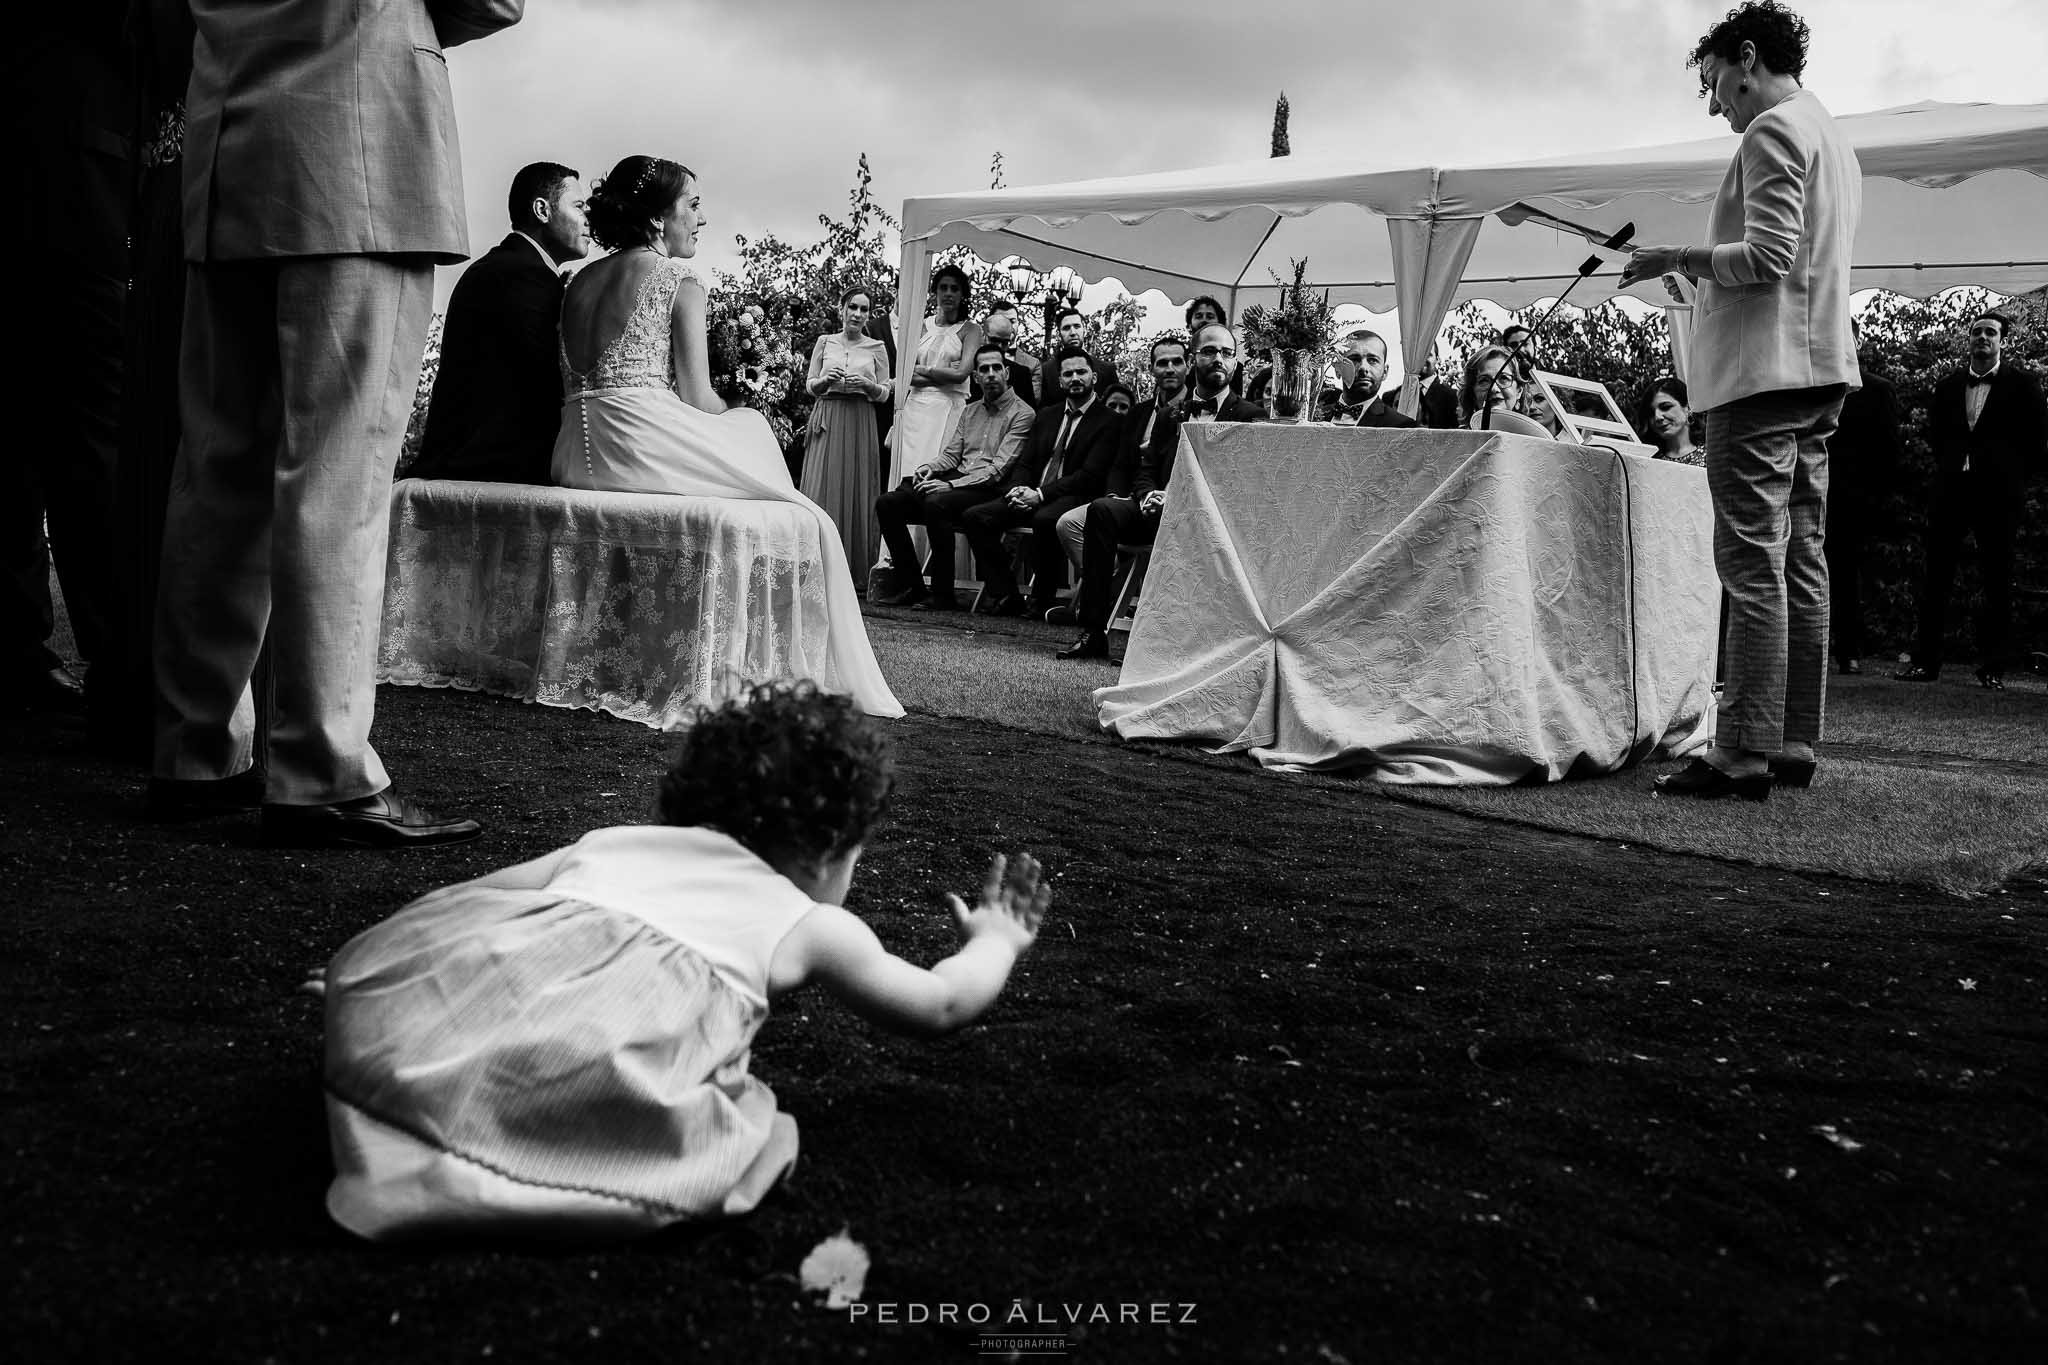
[1989,431]
[1358,404]
[1215,369]
[497,400]
[1065,464]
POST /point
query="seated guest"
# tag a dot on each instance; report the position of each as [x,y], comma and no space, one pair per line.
[1215,370]
[1358,403]
[1439,402]
[1512,336]
[1537,408]
[1155,420]
[1204,311]
[1071,330]
[1120,398]
[1152,442]
[1065,464]
[1488,384]
[1000,326]
[987,439]
[1667,421]
[497,400]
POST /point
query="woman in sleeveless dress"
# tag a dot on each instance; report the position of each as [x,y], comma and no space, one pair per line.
[938,381]
[849,374]
[641,415]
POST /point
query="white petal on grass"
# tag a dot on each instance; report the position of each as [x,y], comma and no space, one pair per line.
[1842,1140]
[837,1268]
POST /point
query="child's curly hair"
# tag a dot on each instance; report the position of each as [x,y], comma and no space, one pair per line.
[794,773]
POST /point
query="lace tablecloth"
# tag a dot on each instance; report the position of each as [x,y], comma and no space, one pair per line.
[1442,606]
[638,604]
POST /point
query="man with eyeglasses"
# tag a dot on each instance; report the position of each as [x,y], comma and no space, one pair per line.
[1065,465]
[987,439]
[1989,431]
[1358,403]
[1215,369]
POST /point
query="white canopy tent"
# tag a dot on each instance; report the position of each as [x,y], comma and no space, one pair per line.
[1954,194]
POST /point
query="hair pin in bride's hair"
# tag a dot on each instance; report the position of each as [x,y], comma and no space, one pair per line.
[646,175]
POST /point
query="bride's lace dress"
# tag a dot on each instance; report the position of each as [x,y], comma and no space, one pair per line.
[625,429]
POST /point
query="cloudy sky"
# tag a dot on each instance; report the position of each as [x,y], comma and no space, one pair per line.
[772,101]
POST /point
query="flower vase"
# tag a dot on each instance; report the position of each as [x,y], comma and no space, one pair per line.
[1283,387]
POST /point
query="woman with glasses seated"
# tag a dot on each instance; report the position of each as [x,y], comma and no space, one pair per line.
[1490,382]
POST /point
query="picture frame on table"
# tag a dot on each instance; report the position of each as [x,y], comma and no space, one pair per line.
[1587,415]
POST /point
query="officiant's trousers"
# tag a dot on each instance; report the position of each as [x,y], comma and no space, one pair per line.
[297,379]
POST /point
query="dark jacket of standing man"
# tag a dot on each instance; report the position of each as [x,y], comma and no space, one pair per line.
[497,400]
[321,184]
[1863,466]
[1988,430]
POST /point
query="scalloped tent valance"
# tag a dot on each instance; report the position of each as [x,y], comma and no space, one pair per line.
[1953,194]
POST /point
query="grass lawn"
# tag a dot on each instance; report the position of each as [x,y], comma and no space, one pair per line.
[1359,1079]
[1944,785]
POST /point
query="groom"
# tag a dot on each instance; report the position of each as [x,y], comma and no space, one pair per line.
[321,186]
[497,401]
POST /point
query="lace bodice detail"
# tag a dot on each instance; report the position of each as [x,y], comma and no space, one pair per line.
[641,356]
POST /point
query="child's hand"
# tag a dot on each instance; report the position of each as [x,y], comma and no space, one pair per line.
[1012,905]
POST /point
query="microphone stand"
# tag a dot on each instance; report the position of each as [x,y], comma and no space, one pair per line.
[1617,242]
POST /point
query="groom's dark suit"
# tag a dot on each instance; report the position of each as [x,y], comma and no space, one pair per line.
[1980,488]
[498,397]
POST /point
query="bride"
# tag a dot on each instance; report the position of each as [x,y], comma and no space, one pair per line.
[641,416]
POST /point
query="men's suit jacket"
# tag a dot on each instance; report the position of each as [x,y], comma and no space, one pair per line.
[1438,405]
[1863,454]
[1154,471]
[1139,461]
[497,400]
[2007,443]
[1023,382]
[319,129]
[1084,470]
[1378,413]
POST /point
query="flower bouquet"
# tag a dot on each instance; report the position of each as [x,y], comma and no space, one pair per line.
[1298,332]
[751,363]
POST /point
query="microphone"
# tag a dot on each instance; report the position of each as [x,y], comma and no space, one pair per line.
[1617,242]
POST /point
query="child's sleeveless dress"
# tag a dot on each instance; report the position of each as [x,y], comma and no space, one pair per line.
[561,1047]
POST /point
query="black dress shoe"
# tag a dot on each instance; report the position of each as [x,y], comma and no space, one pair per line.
[1703,781]
[1010,604]
[1915,673]
[909,597]
[54,691]
[1062,615]
[1991,679]
[384,820]
[1093,645]
[177,798]
[936,602]
[1793,772]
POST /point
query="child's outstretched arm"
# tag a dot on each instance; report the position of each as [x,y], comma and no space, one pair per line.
[842,954]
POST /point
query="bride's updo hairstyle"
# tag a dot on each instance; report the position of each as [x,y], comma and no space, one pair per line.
[625,204]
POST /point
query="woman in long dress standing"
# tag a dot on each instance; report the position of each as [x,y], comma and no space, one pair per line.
[842,453]
[938,386]
[1772,359]
[640,414]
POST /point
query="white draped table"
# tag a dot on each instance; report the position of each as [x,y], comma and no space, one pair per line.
[642,605]
[1440,606]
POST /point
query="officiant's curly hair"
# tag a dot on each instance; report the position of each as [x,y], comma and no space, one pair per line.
[623,206]
[795,774]
[1779,34]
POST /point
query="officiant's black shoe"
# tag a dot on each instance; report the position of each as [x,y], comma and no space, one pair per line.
[1010,604]
[937,601]
[1703,781]
[52,691]
[1991,679]
[385,820]
[1915,673]
[1093,645]
[1793,772]
[171,799]
[909,597]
